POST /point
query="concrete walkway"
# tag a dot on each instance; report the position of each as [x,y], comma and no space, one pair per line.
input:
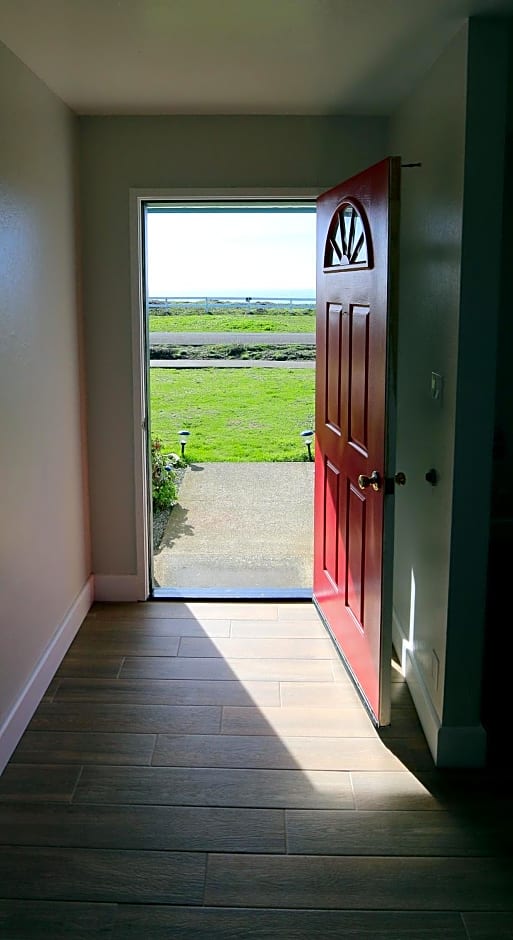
[246,339]
[240,525]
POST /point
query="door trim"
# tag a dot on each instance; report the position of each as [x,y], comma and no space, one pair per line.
[137,199]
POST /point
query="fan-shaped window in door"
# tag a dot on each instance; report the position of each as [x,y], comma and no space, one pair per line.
[347,244]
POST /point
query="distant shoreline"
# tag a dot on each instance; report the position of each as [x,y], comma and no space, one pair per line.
[279,296]
[231,301]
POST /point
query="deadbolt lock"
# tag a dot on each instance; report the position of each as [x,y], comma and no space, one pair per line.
[399,479]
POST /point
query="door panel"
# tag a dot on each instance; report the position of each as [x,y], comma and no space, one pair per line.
[355,221]
[358,378]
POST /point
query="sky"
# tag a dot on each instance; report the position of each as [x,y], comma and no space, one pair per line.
[231,254]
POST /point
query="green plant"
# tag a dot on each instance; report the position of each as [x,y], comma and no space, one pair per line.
[163,486]
[233,351]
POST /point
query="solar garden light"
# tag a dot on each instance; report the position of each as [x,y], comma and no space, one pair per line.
[183,435]
[307,437]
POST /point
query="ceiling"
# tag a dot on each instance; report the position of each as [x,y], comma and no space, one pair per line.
[232,56]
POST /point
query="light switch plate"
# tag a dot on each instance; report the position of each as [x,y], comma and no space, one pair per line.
[437,385]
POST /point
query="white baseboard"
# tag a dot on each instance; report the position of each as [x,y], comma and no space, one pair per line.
[43,673]
[450,746]
[119,587]
[461,746]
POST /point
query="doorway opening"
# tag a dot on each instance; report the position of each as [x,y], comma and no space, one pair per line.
[229,300]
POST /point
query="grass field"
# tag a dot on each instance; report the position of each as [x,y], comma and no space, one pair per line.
[233,415]
[252,323]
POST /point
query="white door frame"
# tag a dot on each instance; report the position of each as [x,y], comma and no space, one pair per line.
[137,199]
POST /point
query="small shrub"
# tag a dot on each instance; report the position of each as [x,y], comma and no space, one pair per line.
[163,485]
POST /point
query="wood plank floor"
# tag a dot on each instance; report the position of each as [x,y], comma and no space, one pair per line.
[206,770]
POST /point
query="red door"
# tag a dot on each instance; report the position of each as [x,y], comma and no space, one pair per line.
[353,453]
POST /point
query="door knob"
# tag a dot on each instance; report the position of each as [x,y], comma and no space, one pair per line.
[374,480]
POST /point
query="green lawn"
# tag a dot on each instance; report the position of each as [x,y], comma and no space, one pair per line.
[252,323]
[233,414]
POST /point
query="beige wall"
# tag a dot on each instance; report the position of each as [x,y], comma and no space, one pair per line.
[429,128]
[455,124]
[44,560]
[119,153]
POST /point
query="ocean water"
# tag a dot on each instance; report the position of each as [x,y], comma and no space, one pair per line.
[249,296]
